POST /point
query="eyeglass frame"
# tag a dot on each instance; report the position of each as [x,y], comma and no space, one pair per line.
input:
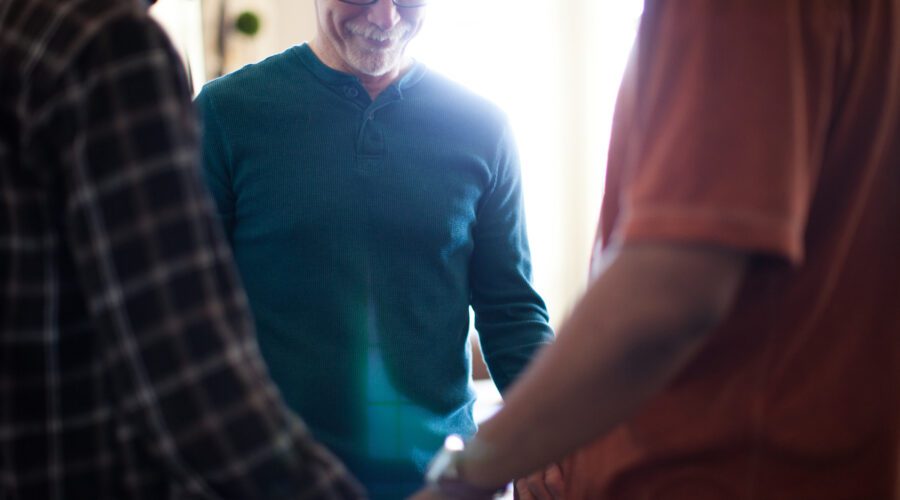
[366,3]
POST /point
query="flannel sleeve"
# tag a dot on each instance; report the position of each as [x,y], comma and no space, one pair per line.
[160,282]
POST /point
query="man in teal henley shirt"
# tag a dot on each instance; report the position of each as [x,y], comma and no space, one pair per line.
[369,202]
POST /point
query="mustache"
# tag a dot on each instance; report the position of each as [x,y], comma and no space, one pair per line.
[375,33]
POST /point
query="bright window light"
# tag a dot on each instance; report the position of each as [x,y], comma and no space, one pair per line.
[182,20]
[554,67]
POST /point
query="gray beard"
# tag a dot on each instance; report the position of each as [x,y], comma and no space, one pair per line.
[374,63]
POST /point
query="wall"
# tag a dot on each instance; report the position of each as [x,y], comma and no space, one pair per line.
[283,23]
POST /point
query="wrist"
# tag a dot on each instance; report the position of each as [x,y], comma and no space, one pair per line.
[450,471]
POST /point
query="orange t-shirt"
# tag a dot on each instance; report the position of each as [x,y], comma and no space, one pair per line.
[773,127]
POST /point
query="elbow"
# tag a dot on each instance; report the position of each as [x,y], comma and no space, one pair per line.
[696,313]
[669,336]
[696,321]
[686,292]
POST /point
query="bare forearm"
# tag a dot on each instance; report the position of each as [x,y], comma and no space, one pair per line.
[570,398]
[627,338]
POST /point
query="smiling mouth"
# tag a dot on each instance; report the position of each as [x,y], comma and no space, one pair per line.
[379,44]
[375,38]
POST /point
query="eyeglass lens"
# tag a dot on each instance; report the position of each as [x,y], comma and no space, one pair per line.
[398,3]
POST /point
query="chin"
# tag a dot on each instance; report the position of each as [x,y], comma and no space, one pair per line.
[375,72]
[375,66]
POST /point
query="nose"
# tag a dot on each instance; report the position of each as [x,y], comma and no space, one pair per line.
[384,14]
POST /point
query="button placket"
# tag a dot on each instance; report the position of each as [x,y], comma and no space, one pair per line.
[370,140]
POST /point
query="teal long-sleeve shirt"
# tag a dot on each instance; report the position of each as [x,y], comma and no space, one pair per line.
[363,232]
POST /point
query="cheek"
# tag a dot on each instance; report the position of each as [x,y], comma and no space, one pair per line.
[412,16]
[339,28]
[414,21]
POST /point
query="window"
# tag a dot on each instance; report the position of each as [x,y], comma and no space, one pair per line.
[555,68]
[182,21]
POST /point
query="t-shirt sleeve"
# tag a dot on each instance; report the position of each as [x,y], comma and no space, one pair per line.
[717,145]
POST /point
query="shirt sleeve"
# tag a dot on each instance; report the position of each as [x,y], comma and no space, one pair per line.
[160,283]
[510,316]
[718,149]
[217,166]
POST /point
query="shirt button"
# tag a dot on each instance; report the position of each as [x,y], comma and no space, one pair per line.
[351,92]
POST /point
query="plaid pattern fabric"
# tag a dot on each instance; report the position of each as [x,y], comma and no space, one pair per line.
[128,368]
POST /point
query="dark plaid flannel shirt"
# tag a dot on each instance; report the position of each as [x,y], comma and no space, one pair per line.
[128,367]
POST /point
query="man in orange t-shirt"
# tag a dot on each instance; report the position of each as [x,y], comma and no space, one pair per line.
[741,338]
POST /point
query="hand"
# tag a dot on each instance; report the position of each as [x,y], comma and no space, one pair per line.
[547,484]
[428,493]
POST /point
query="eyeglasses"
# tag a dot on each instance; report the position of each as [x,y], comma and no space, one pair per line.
[398,3]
